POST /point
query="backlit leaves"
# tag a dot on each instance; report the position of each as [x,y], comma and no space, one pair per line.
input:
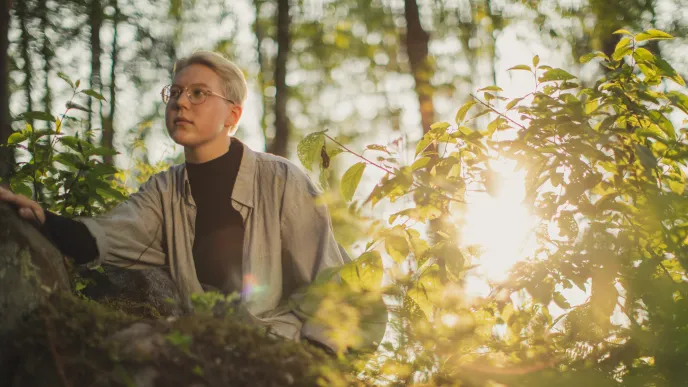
[351,179]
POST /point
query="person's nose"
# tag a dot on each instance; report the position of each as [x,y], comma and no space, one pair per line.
[182,101]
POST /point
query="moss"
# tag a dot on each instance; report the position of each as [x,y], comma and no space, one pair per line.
[193,350]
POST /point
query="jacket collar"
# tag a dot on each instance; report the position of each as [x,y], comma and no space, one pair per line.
[245,182]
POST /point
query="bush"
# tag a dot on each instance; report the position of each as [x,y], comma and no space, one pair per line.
[606,167]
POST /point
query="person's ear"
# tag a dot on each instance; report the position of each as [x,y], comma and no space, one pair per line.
[233,117]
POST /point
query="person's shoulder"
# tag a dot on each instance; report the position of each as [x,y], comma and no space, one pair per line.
[165,180]
[281,167]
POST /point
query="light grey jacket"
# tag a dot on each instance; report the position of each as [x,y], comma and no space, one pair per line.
[288,237]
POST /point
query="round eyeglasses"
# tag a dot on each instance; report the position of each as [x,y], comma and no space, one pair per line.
[197,93]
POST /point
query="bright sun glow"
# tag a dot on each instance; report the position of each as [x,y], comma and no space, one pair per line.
[500,224]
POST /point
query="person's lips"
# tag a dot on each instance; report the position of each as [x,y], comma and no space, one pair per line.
[182,120]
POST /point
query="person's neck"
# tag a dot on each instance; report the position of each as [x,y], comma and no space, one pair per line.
[207,152]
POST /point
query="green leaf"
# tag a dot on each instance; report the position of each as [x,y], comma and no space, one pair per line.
[66,79]
[93,93]
[643,55]
[74,105]
[420,163]
[41,116]
[423,143]
[536,61]
[377,147]
[109,192]
[521,67]
[440,126]
[664,124]
[652,34]
[568,226]
[351,179]
[664,69]
[560,300]
[497,123]
[556,75]
[491,88]
[21,188]
[513,103]
[309,148]
[622,32]
[17,137]
[461,113]
[677,183]
[363,273]
[622,49]
[104,151]
[679,100]
[588,57]
[396,244]
[647,158]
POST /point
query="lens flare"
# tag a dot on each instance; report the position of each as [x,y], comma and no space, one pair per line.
[499,223]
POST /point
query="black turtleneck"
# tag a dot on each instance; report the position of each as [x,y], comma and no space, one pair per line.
[218,243]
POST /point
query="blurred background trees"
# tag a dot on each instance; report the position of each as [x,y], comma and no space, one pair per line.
[360,68]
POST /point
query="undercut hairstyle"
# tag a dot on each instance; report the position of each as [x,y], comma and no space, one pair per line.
[234,82]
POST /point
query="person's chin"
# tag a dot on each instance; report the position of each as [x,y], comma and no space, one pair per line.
[182,138]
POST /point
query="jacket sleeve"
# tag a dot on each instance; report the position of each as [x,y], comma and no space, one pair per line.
[130,235]
[308,246]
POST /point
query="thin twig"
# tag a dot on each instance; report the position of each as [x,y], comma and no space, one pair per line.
[359,156]
[415,183]
[497,112]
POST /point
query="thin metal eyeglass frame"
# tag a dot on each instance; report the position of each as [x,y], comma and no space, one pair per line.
[188,95]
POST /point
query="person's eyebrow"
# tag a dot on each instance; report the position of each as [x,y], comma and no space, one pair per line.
[197,84]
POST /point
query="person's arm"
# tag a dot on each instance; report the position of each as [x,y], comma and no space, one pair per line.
[308,246]
[130,235]
[72,238]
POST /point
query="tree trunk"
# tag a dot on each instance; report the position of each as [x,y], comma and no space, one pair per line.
[108,122]
[282,129]
[47,54]
[95,21]
[6,155]
[262,67]
[24,44]
[417,40]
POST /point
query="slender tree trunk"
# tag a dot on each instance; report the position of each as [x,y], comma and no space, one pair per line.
[96,22]
[262,67]
[282,129]
[6,155]
[417,41]
[47,53]
[108,122]
[24,43]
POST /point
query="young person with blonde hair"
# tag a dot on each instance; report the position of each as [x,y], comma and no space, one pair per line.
[229,218]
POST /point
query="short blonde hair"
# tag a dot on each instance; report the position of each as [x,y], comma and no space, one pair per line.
[234,82]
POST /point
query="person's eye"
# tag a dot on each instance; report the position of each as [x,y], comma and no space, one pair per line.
[174,92]
[197,92]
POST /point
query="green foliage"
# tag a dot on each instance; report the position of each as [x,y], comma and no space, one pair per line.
[65,173]
[606,167]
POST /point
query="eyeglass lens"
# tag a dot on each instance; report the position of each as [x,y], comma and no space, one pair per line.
[195,93]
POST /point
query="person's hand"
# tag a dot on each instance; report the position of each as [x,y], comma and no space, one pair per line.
[28,209]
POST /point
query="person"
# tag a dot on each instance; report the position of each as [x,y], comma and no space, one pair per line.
[228,219]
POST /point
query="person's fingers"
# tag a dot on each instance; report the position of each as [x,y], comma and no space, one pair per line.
[27,214]
[30,213]
[28,209]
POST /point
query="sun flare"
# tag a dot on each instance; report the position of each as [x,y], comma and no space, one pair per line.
[499,223]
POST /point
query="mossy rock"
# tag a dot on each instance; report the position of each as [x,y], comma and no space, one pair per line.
[75,342]
[51,337]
